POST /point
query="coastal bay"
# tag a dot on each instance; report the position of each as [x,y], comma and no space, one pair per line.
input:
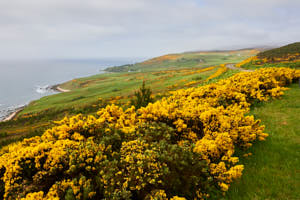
[35,79]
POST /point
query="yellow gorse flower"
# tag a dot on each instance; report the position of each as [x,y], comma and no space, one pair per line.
[210,120]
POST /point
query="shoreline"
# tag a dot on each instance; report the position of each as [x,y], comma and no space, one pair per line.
[11,115]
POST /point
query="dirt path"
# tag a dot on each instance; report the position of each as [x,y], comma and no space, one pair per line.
[232,66]
[61,89]
[58,89]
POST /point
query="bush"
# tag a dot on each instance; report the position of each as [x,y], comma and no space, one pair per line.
[142,97]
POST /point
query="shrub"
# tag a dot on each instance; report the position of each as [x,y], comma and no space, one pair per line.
[142,96]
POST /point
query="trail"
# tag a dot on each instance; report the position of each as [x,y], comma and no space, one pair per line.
[232,66]
[62,90]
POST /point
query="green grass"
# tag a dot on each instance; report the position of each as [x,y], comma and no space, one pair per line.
[160,74]
[295,65]
[273,171]
[185,60]
[116,85]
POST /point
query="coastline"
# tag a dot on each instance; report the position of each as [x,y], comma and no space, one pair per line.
[11,115]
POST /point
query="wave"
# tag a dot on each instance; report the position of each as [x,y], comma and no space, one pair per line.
[43,89]
[9,110]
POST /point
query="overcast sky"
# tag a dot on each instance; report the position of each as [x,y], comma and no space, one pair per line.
[141,28]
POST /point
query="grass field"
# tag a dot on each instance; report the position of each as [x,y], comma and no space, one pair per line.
[272,172]
[163,74]
[295,65]
[185,60]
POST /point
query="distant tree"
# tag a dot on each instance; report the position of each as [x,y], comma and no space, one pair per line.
[142,97]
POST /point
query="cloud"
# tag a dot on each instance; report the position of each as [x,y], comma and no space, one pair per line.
[132,28]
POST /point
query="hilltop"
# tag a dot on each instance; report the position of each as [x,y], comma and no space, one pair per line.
[285,56]
[281,52]
[186,60]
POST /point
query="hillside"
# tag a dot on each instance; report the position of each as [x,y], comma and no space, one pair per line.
[281,52]
[285,56]
[165,73]
[186,60]
[90,94]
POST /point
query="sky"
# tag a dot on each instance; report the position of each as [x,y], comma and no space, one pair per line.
[51,29]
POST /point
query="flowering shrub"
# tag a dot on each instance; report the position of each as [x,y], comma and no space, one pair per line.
[222,69]
[200,70]
[181,147]
[256,60]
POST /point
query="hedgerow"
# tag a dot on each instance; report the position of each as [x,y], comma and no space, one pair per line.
[181,147]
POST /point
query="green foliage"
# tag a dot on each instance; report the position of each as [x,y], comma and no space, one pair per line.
[197,78]
[122,68]
[294,65]
[32,133]
[280,52]
[3,134]
[142,96]
[70,195]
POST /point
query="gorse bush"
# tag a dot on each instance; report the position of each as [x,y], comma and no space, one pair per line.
[181,147]
[288,55]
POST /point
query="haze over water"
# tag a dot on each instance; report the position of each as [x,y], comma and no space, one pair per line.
[24,81]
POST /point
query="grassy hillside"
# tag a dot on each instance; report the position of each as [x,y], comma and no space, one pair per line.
[89,94]
[186,60]
[281,52]
[288,55]
[272,172]
[162,74]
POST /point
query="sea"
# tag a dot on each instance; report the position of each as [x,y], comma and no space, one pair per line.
[24,81]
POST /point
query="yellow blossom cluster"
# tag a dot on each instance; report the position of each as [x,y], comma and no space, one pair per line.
[213,116]
[181,147]
[222,69]
[248,60]
[190,83]
[200,70]
[256,60]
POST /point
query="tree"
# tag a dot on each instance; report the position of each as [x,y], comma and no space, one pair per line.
[142,96]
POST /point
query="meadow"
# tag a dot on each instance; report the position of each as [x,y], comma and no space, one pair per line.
[162,74]
[272,170]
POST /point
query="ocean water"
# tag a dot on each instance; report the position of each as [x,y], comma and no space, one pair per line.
[24,81]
